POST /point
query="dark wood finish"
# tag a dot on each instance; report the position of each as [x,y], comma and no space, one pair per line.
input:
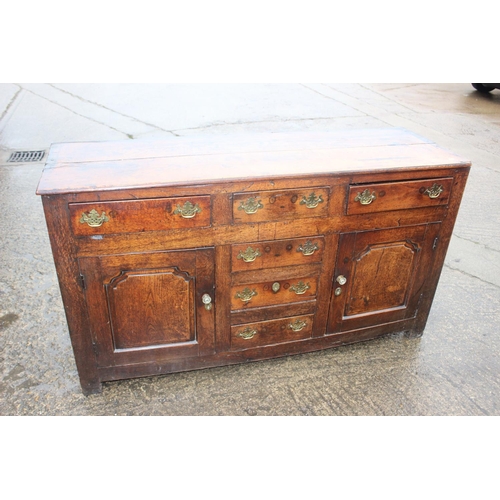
[271,332]
[92,167]
[384,271]
[399,195]
[147,306]
[262,294]
[272,312]
[133,216]
[278,253]
[281,205]
[145,234]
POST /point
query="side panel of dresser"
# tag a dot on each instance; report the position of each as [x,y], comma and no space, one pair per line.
[71,286]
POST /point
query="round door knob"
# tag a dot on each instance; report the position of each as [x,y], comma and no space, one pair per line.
[207,301]
[341,280]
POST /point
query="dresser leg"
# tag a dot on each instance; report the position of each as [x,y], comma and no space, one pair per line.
[91,387]
[413,334]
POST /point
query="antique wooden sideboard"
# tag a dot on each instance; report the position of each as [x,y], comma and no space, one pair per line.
[196,252]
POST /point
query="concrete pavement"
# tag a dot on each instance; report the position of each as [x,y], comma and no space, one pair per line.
[452,370]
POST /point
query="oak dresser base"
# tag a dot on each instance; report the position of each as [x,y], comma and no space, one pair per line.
[199,252]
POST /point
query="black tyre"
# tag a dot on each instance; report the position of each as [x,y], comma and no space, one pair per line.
[482,88]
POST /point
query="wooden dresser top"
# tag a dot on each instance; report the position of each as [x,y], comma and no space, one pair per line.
[104,166]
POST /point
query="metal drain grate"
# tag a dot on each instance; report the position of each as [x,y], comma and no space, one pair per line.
[25,156]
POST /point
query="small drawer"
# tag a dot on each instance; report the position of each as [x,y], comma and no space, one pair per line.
[132,216]
[271,293]
[279,253]
[266,333]
[382,197]
[262,206]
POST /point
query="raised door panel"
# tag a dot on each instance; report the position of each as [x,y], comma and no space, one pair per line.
[148,307]
[151,307]
[380,276]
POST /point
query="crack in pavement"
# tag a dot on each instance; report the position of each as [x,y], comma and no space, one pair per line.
[476,243]
[83,99]
[470,275]
[251,122]
[202,127]
[399,103]
[387,122]
[333,99]
[78,114]
[11,102]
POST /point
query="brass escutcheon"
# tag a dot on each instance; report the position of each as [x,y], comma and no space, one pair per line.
[248,333]
[188,210]
[311,201]
[246,295]
[297,325]
[300,288]
[93,219]
[249,255]
[365,198]
[251,205]
[308,248]
[434,191]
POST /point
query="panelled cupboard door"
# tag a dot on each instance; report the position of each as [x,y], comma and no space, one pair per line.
[380,276]
[150,307]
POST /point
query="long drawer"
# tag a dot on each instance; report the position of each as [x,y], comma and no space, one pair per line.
[129,216]
[385,196]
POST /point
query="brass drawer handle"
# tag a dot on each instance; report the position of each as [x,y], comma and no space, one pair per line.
[311,201]
[365,198]
[308,248]
[246,295]
[93,219]
[434,191]
[188,210]
[300,288]
[248,333]
[251,205]
[297,325]
[249,255]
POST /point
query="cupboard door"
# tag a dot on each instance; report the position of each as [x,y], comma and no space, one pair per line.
[380,276]
[150,307]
